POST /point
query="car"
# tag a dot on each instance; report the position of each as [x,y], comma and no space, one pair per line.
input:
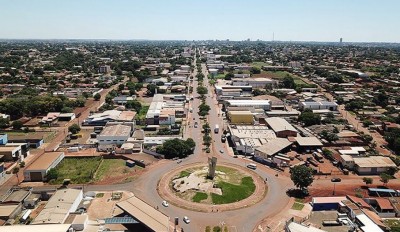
[195,125]
[179,161]
[186,219]
[165,203]
[235,156]
[336,180]
[221,151]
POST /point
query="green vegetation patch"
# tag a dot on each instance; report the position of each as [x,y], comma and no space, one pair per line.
[99,195]
[184,174]
[199,196]
[142,112]
[233,193]
[298,206]
[79,170]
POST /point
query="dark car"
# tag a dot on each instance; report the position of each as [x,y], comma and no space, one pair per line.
[336,180]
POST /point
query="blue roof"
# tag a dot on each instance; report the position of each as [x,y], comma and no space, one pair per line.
[381,190]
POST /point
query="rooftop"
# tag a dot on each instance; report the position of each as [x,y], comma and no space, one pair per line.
[116,130]
[145,213]
[6,210]
[374,161]
[44,161]
[274,146]
[308,141]
[279,124]
[38,228]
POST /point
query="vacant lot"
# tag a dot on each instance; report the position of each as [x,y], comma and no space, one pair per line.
[79,170]
[112,168]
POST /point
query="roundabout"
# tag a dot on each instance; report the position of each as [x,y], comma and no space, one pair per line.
[233,187]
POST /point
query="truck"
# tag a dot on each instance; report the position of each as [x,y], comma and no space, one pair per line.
[216,129]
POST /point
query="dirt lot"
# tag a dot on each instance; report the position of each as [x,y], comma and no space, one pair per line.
[104,207]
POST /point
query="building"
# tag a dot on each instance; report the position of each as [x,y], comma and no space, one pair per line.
[322,105]
[9,211]
[116,134]
[39,228]
[146,214]
[327,203]
[104,69]
[122,100]
[101,119]
[251,104]
[259,82]
[37,170]
[159,140]
[14,151]
[165,108]
[292,226]
[272,147]
[373,165]
[281,127]
[59,206]
[246,138]
[308,143]
[241,117]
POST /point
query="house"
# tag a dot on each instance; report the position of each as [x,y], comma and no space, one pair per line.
[10,211]
[12,152]
[115,134]
[37,171]
[281,127]
[122,100]
[59,206]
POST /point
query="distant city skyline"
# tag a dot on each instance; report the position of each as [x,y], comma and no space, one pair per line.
[287,20]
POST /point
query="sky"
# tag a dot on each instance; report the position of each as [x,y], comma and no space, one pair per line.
[288,20]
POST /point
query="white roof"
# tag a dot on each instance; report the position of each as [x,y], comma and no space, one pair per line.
[248,102]
[374,162]
[368,224]
[279,124]
[308,141]
[347,158]
[116,130]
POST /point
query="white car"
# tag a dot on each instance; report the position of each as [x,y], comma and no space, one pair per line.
[221,151]
[165,204]
[186,219]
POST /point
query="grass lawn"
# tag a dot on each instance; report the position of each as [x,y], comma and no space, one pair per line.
[394,224]
[258,64]
[199,197]
[79,170]
[142,112]
[232,193]
[184,174]
[112,167]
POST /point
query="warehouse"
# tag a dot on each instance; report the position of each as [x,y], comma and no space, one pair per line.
[308,143]
[37,170]
[281,127]
[373,165]
[251,104]
[241,117]
[323,105]
[59,206]
[10,211]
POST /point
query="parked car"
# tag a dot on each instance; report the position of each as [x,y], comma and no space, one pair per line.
[179,161]
[221,151]
[165,203]
[336,180]
[186,219]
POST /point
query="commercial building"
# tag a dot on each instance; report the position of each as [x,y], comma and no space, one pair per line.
[260,82]
[14,151]
[37,170]
[322,105]
[246,138]
[37,228]
[310,143]
[241,117]
[9,211]
[104,69]
[146,214]
[101,119]
[272,147]
[281,127]
[251,104]
[373,165]
[115,134]
[59,206]
[164,109]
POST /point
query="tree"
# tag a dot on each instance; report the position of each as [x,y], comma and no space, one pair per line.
[121,87]
[191,143]
[66,109]
[309,118]
[255,70]
[17,125]
[97,96]
[367,180]
[52,174]
[15,171]
[4,123]
[229,76]
[202,90]
[385,178]
[176,148]
[288,82]
[301,176]
[74,128]
[136,105]
[151,89]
